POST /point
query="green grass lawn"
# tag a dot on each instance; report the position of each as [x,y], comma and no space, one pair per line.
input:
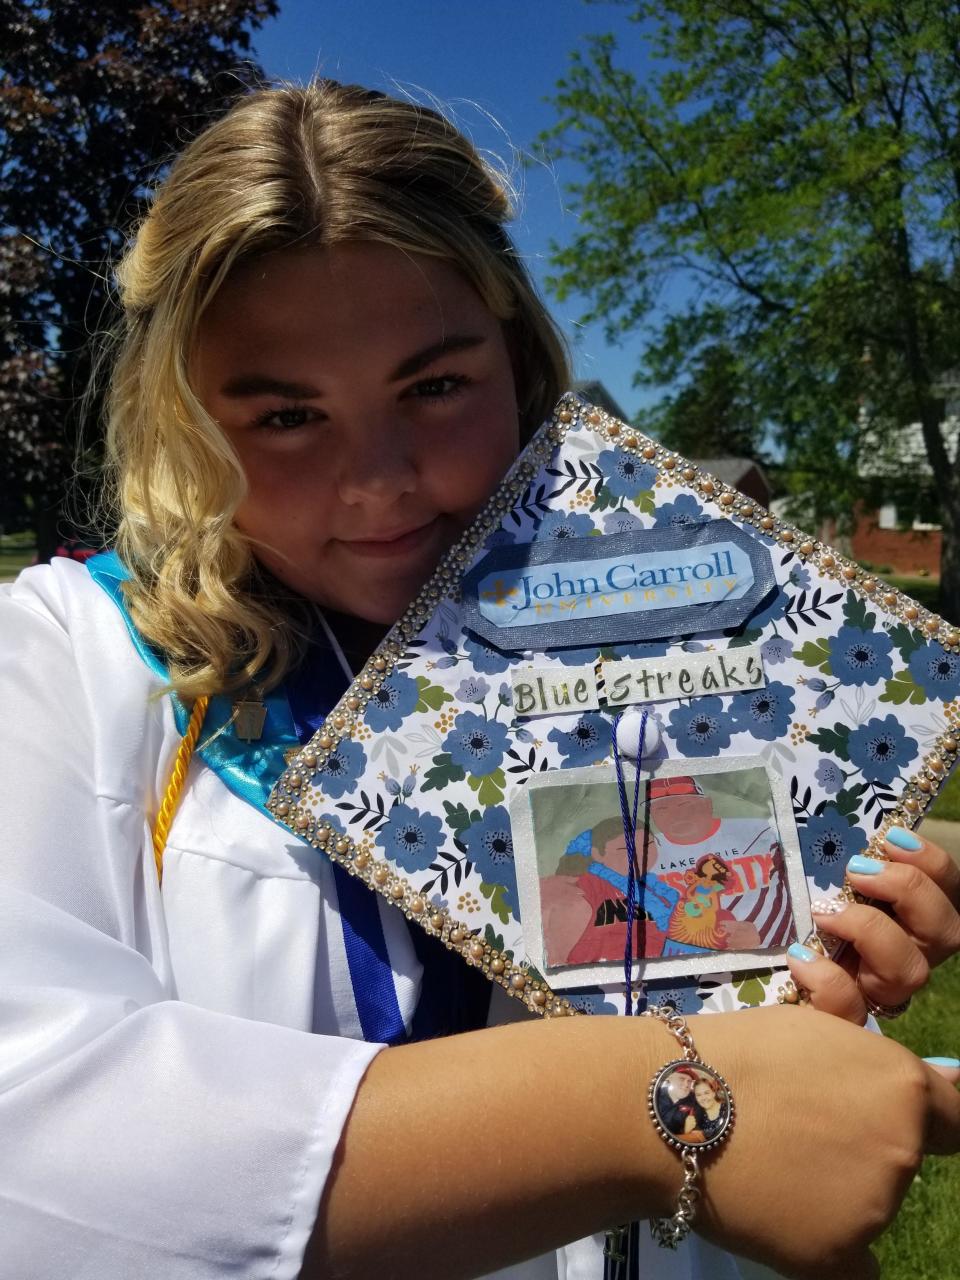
[12,560]
[924,1242]
[946,807]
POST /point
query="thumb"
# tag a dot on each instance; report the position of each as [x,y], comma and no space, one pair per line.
[949,1068]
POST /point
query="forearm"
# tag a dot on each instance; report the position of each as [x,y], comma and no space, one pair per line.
[465,1154]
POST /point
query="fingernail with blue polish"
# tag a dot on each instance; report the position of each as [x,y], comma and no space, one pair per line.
[902,839]
[800,952]
[944,1062]
[863,866]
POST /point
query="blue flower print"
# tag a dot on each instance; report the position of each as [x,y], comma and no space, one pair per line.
[800,577]
[589,740]
[880,749]
[772,611]
[473,689]
[482,658]
[500,538]
[764,713]
[565,524]
[576,657]
[828,841]
[390,705]
[621,522]
[830,776]
[489,844]
[624,475]
[682,994]
[776,650]
[476,744]
[860,657]
[341,769]
[678,514]
[591,1001]
[702,728]
[936,671]
[410,838]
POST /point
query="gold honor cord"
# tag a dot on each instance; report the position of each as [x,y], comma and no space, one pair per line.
[178,776]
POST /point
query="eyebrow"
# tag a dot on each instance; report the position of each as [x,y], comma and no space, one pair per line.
[257,384]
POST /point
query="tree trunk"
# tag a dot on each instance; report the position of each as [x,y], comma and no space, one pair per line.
[950,556]
[46,524]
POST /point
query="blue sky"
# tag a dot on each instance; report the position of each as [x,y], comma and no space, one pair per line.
[491,64]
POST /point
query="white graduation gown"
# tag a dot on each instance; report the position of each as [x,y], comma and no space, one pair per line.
[175,1073]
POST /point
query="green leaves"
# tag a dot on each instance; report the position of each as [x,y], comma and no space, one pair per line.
[906,640]
[489,788]
[497,895]
[834,741]
[442,772]
[432,696]
[856,614]
[816,653]
[902,687]
[459,817]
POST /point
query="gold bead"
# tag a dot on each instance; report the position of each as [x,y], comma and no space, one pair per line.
[911,613]
[727,499]
[707,487]
[323,834]
[952,639]
[476,950]
[805,548]
[379,664]
[366,683]
[669,463]
[649,451]
[746,511]
[496,965]
[767,522]
[342,845]
[593,418]
[353,703]
[688,473]
[417,905]
[396,892]
[613,429]
[932,626]
[631,442]
[935,765]
[786,535]
[326,742]
[828,561]
[339,722]
[911,805]
[889,599]
[538,997]
[283,808]
[302,821]
[518,981]
[294,782]
[565,415]
[849,572]
[310,760]
[362,859]
[950,744]
[924,784]
[869,585]
[436,921]
[457,935]
[380,875]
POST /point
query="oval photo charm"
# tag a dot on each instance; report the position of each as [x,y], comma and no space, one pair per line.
[691,1105]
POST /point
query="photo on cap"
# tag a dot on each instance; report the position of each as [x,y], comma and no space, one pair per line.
[717,883]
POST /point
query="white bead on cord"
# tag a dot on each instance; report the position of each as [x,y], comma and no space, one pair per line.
[628,734]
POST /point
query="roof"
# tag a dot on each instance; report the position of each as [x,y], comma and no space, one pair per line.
[730,471]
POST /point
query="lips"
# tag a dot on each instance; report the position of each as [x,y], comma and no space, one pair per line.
[393,542]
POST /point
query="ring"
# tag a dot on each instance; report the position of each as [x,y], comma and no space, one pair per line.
[887,1011]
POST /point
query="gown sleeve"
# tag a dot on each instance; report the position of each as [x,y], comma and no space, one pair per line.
[141,1135]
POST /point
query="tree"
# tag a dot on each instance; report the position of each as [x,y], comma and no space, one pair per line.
[714,414]
[94,97]
[797,165]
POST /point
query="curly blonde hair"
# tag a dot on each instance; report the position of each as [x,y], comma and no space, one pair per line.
[322,165]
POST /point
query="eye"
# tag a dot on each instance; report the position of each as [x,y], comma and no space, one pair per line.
[440,387]
[289,418]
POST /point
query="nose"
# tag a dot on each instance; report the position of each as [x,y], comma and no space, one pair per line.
[378,463]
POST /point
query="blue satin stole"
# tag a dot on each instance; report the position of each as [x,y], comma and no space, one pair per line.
[452,997]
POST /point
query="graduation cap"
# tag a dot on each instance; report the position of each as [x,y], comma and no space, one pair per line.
[813,703]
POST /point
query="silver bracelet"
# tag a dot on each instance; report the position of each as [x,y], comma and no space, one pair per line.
[692,1109]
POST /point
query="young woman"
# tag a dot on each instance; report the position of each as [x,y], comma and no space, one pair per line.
[330,355]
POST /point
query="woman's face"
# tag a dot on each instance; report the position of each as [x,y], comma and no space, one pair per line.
[370,397]
[704,1094]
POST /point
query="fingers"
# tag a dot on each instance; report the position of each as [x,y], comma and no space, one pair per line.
[892,966]
[943,1114]
[919,903]
[831,989]
[912,849]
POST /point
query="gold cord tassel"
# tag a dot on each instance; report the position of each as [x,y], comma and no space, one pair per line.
[175,785]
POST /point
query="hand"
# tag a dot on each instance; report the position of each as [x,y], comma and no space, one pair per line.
[830,1128]
[892,951]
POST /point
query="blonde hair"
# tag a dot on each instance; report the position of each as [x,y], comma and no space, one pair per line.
[322,165]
